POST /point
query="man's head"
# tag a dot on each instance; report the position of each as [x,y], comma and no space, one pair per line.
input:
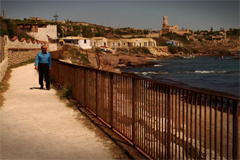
[44,49]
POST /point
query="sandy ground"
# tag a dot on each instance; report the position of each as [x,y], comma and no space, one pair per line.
[36,124]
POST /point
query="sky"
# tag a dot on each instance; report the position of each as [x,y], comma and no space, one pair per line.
[142,14]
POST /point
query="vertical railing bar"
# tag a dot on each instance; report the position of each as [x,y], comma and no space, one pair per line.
[216,109]
[103,95]
[144,117]
[124,105]
[191,128]
[121,101]
[166,145]
[111,99]
[155,120]
[221,145]
[235,131]
[179,123]
[143,107]
[141,116]
[205,125]
[128,107]
[210,135]
[133,109]
[200,125]
[163,154]
[176,119]
[183,121]
[187,100]
[96,92]
[150,117]
[196,98]
[169,124]
[158,121]
[130,111]
[173,117]
[117,104]
[153,106]
[85,87]
[137,109]
[228,108]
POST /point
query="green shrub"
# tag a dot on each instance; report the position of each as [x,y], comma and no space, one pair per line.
[172,49]
[66,91]
[145,50]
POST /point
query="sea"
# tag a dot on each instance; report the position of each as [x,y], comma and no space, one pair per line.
[207,73]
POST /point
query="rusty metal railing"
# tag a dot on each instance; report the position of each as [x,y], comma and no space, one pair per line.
[162,121]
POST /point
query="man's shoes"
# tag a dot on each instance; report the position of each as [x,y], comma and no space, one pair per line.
[41,87]
[48,88]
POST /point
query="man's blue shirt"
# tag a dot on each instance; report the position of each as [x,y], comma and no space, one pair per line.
[43,58]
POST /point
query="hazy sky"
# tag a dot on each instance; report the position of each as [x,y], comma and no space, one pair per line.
[144,14]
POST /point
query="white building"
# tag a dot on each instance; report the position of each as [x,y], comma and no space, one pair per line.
[84,43]
[88,43]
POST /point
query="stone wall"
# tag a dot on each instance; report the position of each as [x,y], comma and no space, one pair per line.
[3,68]
[19,55]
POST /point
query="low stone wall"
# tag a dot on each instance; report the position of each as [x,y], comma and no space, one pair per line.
[3,68]
[19,55]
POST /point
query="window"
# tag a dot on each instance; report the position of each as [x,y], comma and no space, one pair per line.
[113,44]
[85,41]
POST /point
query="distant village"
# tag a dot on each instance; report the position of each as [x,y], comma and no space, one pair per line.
[48,33]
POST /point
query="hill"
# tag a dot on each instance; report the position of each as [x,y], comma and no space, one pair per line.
[199,41]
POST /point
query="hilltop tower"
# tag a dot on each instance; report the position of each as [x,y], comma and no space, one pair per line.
[165,22]
[166,28]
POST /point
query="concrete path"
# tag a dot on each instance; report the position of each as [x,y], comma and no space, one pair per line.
[36,124]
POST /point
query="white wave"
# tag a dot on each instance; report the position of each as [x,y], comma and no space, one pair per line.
[158,65]
[206,72]
[158,72]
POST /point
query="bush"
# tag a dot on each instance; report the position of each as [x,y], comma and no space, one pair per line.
[146,51]
[172,49]
[66,91]
[194,50]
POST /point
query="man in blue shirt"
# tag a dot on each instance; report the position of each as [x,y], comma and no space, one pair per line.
[43,64]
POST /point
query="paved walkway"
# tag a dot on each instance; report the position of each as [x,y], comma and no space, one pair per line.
[36,124]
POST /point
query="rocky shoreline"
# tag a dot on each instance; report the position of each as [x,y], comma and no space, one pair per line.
[110,61]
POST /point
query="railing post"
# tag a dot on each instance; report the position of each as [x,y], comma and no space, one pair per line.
[85,87]
[169,110]
[235,128]
[110,95]
[133,109]
[96,90]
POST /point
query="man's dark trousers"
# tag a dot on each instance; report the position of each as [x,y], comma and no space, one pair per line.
[43,69]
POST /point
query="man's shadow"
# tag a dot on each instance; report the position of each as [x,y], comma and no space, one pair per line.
[37,88]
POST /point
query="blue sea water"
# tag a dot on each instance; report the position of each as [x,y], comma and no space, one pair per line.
[212,73]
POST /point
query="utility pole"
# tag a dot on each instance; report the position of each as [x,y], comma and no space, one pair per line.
[55,16]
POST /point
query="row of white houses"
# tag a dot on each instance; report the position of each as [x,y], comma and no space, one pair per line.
[89,43]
